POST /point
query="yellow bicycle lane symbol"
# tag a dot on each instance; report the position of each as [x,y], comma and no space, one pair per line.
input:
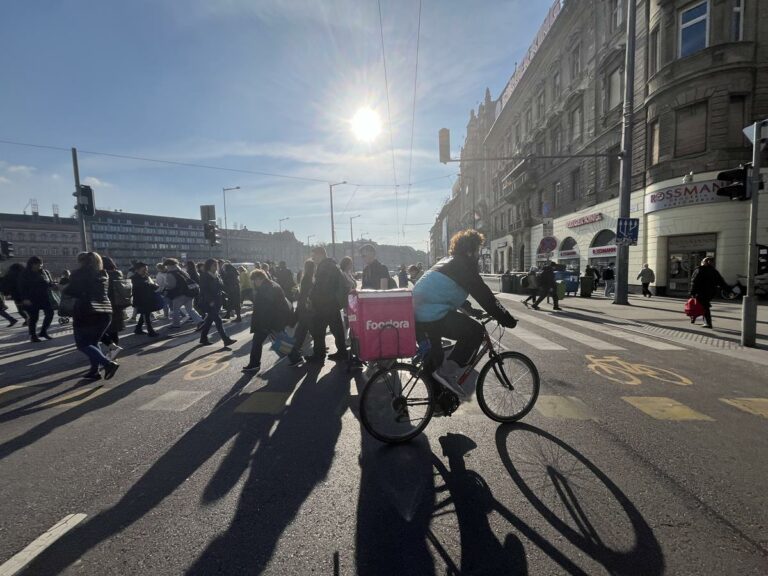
[205,368]
[618,370]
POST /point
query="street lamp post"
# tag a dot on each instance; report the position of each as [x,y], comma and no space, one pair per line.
[280,223]
[309,246]
[352,240]
[333,228]
[226,232]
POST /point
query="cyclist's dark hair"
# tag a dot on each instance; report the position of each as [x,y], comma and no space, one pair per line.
[466,241]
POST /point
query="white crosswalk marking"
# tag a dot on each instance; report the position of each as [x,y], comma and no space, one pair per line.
[622,334]
[579,337]
[175,400]
[533,339]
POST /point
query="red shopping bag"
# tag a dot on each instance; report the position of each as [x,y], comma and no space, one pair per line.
[693,308]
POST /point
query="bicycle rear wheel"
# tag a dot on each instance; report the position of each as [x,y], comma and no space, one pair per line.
[396,404]
[508,387]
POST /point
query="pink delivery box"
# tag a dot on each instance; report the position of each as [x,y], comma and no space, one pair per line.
[382,324]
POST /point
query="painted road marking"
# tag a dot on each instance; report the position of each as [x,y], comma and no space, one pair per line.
[663,408]
[579,337]
[264,403]
[36,547]
[605,330]
[618,370]
[206,367]
[175,400]
[76,397]
[756,406]
[533,339]
[11,388]
[568,407]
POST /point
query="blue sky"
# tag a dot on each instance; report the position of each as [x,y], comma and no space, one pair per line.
[256,85]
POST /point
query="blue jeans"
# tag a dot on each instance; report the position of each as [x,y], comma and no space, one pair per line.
[88,331]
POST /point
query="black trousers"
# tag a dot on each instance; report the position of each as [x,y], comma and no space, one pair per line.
[257,346]
[646,292]
[302,329]
[211,317]
[467,332]
[144,317]
[323,320]
[547,292]
[34,315]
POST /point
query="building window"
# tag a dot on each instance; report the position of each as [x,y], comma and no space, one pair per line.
[528,120]
[557,140]
[691,129]
[736,120]
[576,184]
[694,28]
[558,200]
[541,102]
[653,52]
[556,86]
[617,14]
[613,95]
[577,122]
[653,143]
[614,165]
[575,63]
[517,134]
[737,21]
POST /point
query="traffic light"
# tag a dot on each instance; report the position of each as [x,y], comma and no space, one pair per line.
[444,135]
[211,233]
[85,204]
[6,249]
[762,259]
[737,179]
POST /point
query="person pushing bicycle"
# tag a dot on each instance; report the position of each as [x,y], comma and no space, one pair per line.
[441,293]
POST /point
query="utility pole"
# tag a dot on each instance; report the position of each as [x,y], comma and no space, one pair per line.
[333,227]
[625,192]
[226,231]
[352,240]
[749,303]
[80,211]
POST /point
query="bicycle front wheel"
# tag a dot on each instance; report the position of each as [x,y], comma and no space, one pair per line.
[508,387]
[396,404]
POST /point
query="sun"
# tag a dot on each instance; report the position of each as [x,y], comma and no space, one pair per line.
[366,125]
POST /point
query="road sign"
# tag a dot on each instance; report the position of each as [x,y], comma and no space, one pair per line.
[749,131]
[207,212]
[626,231]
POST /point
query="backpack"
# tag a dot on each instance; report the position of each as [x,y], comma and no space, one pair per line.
[122,292]
[185,286]
[525,282]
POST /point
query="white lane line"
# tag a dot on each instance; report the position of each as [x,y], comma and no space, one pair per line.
[579,337]
[36,547]
[533,339]
[622,335]
[175,400]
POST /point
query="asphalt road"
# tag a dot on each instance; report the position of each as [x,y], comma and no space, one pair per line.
[183,465]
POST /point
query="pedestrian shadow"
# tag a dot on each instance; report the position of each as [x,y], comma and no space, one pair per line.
[113,395]
[580,501]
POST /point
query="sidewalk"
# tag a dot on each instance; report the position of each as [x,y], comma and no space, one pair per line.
[663,317]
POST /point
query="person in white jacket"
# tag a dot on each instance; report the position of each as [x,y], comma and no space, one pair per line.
[646,277]
[162,286]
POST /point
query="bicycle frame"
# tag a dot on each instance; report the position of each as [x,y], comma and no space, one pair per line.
[485,348]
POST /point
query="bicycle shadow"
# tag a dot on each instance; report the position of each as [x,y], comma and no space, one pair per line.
[580,501]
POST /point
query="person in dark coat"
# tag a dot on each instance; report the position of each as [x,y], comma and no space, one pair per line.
[271,313]
[547,286]
[211,289]
[303,313]
[193,273]
[35,285]
[284,277]
[93,312]
[324,299]
[231,279]
[11,288]
[706,283]
[111,338]
[144,298]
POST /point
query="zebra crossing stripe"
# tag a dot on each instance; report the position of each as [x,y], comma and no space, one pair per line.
[622,335]
[533,339]
[565,332]
[662,408]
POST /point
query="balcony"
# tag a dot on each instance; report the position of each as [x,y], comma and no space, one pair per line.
[520,224]
[521,180]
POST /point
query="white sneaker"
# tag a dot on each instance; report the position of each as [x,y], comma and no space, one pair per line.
[114,350]
[104,349]
[448,375]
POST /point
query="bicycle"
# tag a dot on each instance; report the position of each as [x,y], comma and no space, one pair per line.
[398,401]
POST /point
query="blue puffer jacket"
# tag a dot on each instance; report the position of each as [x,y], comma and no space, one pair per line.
[445,287]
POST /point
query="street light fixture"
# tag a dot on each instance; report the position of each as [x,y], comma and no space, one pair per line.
[333,228]
[280,223]
[352,240]
[226,231]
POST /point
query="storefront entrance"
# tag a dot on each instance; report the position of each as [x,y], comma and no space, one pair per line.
[685,254]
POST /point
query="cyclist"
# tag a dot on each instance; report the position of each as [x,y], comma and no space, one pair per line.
[440,293]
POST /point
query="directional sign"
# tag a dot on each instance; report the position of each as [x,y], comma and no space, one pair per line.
[626,231]
[750,130]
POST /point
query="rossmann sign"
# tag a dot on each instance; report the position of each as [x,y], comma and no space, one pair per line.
[684,195]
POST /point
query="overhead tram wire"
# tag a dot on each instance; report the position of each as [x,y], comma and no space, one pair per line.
[413,118]
[203,166]
[389,121]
